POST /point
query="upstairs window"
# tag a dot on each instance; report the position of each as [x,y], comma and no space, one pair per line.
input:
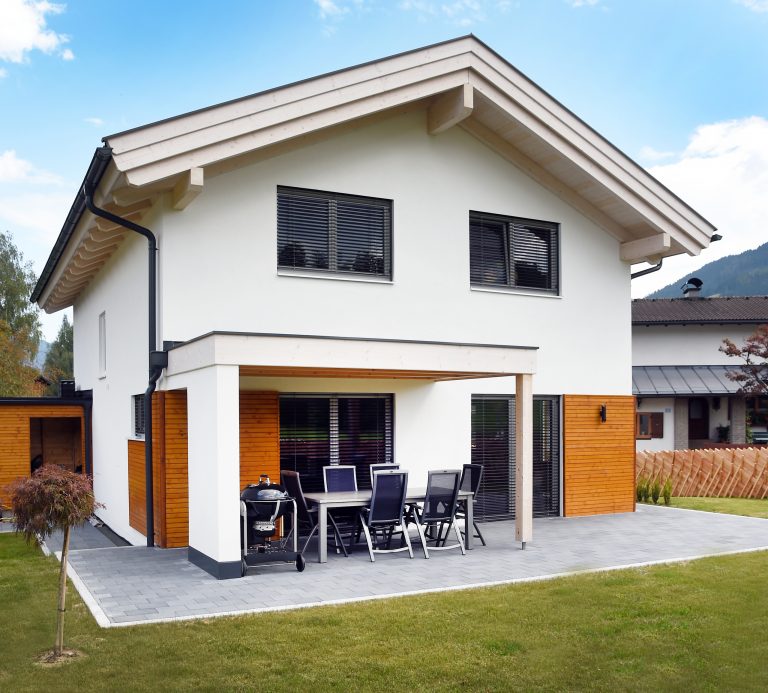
[514,253]
[330,232]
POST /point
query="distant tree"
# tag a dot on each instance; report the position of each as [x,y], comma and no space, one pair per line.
[752,374]
[53,498]
[58,360]
[19,323]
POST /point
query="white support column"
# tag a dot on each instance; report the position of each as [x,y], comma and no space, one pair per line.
[214,470]
[524,458]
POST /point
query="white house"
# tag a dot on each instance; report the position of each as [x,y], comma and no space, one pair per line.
[679,375]
[374,264]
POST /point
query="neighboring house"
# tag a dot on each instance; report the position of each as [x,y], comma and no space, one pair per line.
[684,397]
[425,259]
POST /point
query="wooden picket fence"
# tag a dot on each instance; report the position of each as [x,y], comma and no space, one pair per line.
[740,473]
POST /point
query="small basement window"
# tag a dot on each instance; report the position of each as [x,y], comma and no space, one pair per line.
[137,416]
[649,425]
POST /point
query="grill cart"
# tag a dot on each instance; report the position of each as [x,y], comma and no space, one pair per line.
[260,507]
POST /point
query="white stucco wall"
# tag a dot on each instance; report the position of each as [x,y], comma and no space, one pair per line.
[119,290]
[217,271]
[219,257]
[666,405]
[685,345]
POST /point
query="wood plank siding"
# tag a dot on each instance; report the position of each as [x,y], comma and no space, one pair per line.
[169,472]
[599,457]
[259,454]
[52,439]
[259,436]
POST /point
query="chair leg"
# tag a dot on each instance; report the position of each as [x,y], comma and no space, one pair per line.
[407,540]
[479,533]
[339,541]
[458,536]
[423,538]
[311,534]
[368,540]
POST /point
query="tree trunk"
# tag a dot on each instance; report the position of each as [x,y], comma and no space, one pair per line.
[59,646]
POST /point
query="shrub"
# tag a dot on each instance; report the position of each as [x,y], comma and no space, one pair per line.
[53,498]
[642,489]
[655,491]
[666,491]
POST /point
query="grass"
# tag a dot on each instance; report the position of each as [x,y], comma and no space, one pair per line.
[751,507]
[696,626]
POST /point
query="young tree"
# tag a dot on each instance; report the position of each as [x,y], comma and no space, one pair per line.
[58,360]
[752,374]
[53,498]
[19,324]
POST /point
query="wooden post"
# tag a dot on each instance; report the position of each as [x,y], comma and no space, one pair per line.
[59,644]
[524,459]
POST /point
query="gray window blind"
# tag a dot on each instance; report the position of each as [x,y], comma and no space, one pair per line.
[332,232]
[514,253]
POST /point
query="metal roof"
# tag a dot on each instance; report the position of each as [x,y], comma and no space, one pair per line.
[650,381]
[699,311]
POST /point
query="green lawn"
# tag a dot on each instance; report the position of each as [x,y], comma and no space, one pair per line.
[695,626]
[752,507]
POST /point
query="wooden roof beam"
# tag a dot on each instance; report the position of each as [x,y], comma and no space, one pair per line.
[645,249]
[188,187]
[450,109]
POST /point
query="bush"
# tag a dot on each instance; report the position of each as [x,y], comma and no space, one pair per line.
[666,491]
[655,491]
[642,490]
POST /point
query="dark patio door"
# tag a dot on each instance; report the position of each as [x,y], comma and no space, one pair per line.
[698,418]
[493,446]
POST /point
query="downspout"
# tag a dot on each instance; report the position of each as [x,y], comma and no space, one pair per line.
[157,360]
[648,270]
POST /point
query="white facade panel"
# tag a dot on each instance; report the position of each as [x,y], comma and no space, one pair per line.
[685,345]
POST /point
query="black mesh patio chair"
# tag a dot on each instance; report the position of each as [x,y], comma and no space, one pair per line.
[438,511]
[343,477]
[471,476]
[305,517]
[385,513]
[379,467]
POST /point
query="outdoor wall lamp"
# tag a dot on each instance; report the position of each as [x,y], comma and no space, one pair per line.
[603,413]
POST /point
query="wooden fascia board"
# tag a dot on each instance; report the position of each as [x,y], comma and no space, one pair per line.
[540,103]
[692,239]
[377,91]
[341,80]
[545,178]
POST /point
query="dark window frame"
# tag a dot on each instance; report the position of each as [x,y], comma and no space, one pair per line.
[649,425]
[514,254]
[138,417]
[378,268]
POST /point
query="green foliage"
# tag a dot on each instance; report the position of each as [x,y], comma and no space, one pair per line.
[666,492]
[59,359]
[19,324]
[745,274]
[641,490]
[53,498]
[723,433]
[752,373]
[655,491]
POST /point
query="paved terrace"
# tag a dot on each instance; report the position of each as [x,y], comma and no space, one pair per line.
[139,585]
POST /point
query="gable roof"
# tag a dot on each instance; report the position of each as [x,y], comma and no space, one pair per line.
[748,310]
[460,83]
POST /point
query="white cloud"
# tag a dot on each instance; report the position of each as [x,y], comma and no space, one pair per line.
[462,13]
[23,29]
[754,5]
[723,175]
[16,170]
[652,155]
[328,8]
[97,122]
[583,3]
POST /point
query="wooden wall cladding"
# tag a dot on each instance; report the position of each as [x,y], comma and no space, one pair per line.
[259,436]
[16,448]
[599,457]
[169,472]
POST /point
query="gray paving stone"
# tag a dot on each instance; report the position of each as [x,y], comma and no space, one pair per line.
[140,584]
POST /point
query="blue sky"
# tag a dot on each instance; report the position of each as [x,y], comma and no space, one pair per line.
[679,85]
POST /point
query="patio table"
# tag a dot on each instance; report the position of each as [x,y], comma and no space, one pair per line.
[359,499]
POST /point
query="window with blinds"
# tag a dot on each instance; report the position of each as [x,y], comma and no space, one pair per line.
[320,430]
[138,418]
[332,232]
[513,253]
[493,446]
